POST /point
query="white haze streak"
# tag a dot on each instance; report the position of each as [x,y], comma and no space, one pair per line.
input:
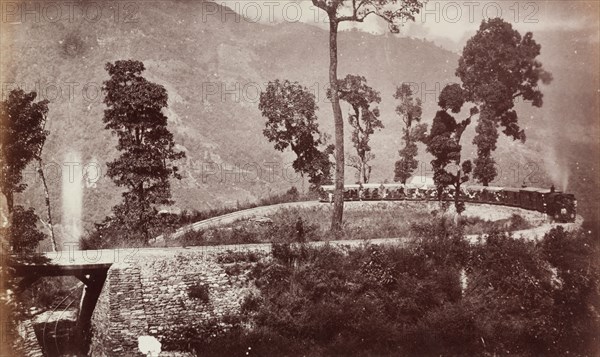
[72,198]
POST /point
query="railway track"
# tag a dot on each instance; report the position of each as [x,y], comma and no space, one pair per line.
[267,210]
[56,338]
[237,216]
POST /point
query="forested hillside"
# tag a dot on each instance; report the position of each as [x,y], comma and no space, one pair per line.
[213,70]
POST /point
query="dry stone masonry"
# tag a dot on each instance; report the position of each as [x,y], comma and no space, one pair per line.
[149,295]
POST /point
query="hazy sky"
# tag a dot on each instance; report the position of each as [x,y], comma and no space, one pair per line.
[448,23]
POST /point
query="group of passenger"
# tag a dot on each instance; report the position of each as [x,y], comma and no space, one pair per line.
[407,192]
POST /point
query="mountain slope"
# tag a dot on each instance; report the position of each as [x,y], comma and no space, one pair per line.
[213,71]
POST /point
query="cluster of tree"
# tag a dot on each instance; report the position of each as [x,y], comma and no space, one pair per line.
[497,67]
[441,296]
[135,116]
[394,13]
[291,122]
[22,138]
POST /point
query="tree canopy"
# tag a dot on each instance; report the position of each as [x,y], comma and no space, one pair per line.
[290,109]
[497,66]
[410,110]
[443,143]
[135,116]
[22,135]
[363,118]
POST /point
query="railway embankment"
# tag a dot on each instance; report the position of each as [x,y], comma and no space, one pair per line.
[483,211]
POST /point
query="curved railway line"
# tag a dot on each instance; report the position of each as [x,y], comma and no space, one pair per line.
[50,331]
[237,216]
[268,210]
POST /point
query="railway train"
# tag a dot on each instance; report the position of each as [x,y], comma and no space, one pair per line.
[559,206]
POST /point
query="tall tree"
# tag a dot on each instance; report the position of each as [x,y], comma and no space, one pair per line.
[410,111]
[22,135]
[135,115]
[290,109]
[40,170]
[363,118]
[497,67]
[444,143]
[393,12]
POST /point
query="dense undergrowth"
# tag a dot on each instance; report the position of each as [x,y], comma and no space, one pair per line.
[518,298]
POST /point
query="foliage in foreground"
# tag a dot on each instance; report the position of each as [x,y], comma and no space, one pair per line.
[23,235]
[521,298]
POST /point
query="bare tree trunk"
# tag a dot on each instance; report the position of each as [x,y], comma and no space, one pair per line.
[457,193]
[43,176]
[338,198]
[361,173]
[41,171]
[10,203]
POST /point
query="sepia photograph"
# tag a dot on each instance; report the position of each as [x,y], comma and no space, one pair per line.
[299,178]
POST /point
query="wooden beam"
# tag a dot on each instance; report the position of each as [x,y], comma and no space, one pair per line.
[91,293]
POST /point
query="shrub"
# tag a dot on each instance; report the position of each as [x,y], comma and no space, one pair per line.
[517,222]
[575,257]
[23,235]
[235,269]
[389,301]
[251,303]
[199,291]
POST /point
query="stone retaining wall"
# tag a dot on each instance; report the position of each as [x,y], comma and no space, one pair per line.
[149,296]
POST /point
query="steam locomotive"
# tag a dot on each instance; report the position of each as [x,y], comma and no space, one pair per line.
[561,207]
